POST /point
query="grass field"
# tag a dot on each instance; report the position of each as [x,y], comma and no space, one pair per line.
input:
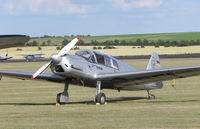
[31,104]
[129,37]
[120,51]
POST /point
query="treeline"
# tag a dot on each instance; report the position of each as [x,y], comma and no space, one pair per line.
[65,36]
[144,42]
[138,42]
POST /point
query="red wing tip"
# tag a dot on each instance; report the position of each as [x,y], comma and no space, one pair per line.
[32,78]
[78,37]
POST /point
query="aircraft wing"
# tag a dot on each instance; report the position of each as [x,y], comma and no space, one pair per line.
[27,75]
[38,54]
[120,79]
[7,41]
[5,58]
[30,54]
[149,76]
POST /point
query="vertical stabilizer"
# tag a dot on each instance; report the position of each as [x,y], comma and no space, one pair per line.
[154,62]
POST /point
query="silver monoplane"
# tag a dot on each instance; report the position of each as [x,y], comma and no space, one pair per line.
[94,69]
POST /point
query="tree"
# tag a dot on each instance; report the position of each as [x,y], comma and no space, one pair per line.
[48,42]
[58,48]
[116,42]
[94,42]
[43,43]
[65,42]
[46,36]
[123,42]
[145,42]
[81,42]
[33,43]
[139,42]
[94,48]
[39,48]
[99,47]
[107,43]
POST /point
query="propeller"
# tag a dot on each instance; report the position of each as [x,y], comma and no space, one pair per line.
[56,57]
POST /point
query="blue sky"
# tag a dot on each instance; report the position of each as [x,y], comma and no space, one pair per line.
[98,17]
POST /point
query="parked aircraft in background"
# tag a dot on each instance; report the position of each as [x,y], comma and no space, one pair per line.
[32,57]
[4,58]
[89,68]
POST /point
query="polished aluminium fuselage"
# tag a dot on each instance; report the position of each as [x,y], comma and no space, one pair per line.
[83,72]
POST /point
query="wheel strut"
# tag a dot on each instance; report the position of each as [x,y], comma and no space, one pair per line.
[150,96]
[63,97]
[99,98]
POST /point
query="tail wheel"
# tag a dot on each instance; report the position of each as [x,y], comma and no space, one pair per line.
[100,98]
[151,96]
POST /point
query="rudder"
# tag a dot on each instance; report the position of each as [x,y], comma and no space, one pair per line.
[154,62]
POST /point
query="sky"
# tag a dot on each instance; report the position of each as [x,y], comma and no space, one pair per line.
[98,17]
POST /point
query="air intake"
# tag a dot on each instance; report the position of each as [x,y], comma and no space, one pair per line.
[59,68]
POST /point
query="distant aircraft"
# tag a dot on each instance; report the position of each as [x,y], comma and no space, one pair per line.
[89,68]
[33,57]
[4,58]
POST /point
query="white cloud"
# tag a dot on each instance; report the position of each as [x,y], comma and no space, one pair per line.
[9,7]
[45,6]
[124,5]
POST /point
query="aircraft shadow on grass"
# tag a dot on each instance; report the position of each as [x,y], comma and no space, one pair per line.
[109,101]
[80,102]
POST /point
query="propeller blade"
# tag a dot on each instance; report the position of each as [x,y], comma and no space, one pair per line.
[68,46]
[61,52]
[40,70]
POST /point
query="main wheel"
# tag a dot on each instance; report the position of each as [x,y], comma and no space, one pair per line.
[58,97]
[151,96]
[100,98]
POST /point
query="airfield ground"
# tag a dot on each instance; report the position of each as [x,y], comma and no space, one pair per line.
[31,104]
[119,51]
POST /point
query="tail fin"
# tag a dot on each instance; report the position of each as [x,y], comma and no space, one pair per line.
[154,62]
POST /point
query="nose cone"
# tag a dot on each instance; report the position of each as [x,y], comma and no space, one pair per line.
[56,58]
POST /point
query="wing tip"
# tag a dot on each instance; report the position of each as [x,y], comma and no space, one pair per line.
[78,37]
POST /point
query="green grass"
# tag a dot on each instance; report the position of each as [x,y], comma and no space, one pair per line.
[130,37]
[31,104]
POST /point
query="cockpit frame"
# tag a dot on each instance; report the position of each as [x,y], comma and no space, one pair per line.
[98,58]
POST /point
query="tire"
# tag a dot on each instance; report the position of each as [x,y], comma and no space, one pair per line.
[151,96]
[58,97]
[100,98]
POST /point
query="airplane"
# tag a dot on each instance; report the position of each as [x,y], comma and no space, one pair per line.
[4,58]
[32,57]
[90,68]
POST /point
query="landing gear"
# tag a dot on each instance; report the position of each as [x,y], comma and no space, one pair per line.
[150,96]
[63,97]
[99,98]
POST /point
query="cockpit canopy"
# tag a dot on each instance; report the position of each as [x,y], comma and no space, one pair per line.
[99,58]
